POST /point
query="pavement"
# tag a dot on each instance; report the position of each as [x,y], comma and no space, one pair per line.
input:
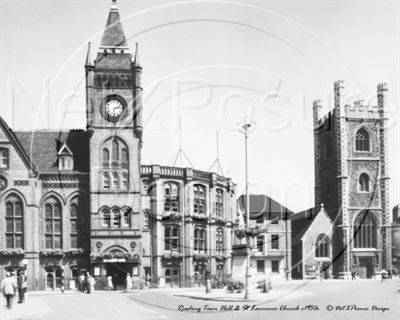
[316,300]
[32,308]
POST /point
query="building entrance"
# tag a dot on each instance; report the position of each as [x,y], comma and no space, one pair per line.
[119,271]
[365,268]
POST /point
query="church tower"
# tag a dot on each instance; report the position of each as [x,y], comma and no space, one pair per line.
[351,179]
[114,106]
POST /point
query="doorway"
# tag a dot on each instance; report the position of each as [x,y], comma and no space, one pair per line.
[119,271]
[365,268]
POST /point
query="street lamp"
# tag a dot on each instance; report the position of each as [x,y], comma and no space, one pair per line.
[62,279]
[246,127]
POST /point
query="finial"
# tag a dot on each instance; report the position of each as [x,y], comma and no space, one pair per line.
[382,87]
[114,4]
[136,60]
[322,206]
[339,84]
[88,56]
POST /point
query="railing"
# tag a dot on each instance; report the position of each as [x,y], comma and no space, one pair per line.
[200,174]
[147,170]
[180,172]
[172,171]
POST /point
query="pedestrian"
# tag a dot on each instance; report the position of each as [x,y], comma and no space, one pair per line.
[353,275]
[383,274]
[389,274]
[22,286]
[128,282]
[114,281]
[148,280]
[81,279]
[110,285]
[91,283]
[8,288]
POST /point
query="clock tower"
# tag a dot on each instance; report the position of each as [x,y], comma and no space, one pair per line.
[113,99]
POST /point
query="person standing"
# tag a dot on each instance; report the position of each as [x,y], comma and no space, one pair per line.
[128,282]
[22,285]
[81,280]
[110,285]
[8,288]
[91,283]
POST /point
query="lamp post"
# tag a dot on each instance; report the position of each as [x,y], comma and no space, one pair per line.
[62,279]
[246,127]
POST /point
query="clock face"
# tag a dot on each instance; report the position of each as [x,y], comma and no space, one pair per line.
[114,108]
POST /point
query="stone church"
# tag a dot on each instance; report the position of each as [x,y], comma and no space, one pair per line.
[352,182]
[81,200]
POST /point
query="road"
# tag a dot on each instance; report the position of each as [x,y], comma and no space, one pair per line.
[361,299]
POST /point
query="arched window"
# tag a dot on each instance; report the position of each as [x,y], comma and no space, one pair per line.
[115,180]
[124,180]
[124,155]
[171,197]
[363,183]
[114,150]
[219,203]
[74,225]
[145,219]
[3,158]
[200,239]
[172,238]
[362,140]
[364,235]
[14,223]
[116,218]
[106,180]
[322,246]
[199,199]
[127,218]
[106,157]
[106,218]
[219,243]
[53,219]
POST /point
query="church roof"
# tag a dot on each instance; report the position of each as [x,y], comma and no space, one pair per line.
[263,205]
[42,148]
[113,35]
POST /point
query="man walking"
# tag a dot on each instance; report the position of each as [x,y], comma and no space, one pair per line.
[22,285]
[8,288]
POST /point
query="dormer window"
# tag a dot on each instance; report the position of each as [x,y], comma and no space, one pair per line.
[65,158]
[3,158]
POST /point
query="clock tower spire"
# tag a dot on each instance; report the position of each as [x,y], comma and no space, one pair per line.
[114,106]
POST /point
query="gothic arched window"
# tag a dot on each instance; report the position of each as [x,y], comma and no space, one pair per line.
[114,150]
[363,183]
[106,218]
[53,220]
[365,230]
[219,203]
[199,199]
[14,223]
[74,225]
[322,246]
[106,156]
[219,243]
[115,155]
[106,180]
[362,140]
[171,197]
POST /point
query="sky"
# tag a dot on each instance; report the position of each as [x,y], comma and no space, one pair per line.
[211,64]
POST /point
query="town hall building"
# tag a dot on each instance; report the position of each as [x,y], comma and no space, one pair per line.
[81,200]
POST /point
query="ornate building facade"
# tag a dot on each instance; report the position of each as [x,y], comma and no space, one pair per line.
[351,180]
[80,200]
